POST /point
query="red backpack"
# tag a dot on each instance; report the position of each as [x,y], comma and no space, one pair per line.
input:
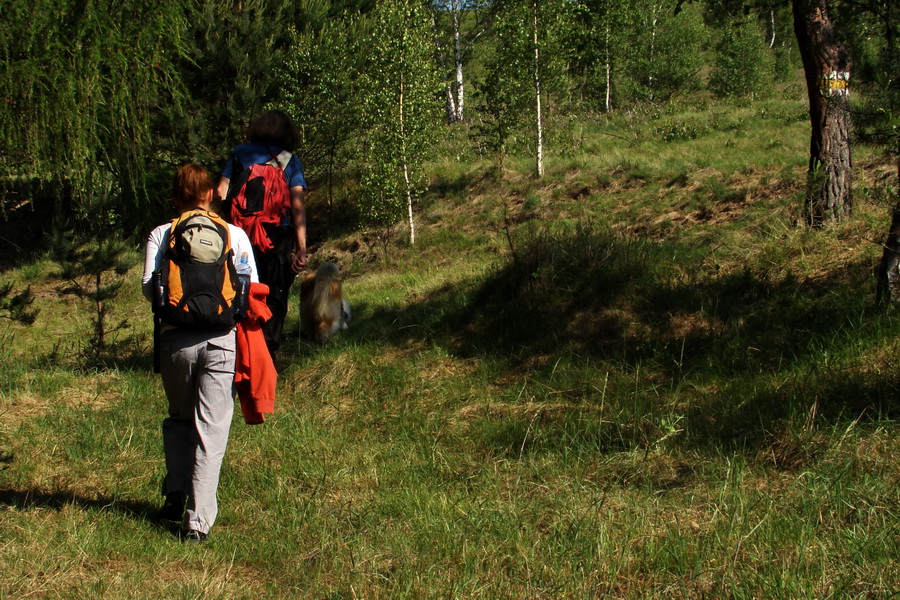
[260,196]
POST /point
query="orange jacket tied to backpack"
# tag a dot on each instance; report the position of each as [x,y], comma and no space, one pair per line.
[254,371]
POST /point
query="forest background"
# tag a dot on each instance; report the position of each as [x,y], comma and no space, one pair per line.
[601,348]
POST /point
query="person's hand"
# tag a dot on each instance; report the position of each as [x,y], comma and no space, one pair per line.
[299,260]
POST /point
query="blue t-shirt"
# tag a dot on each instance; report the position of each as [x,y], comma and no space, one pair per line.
[254,154]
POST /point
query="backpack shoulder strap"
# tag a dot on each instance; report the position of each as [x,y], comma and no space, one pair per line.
[283,159]
[279,160]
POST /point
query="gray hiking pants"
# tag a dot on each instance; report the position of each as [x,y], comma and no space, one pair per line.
[198,376]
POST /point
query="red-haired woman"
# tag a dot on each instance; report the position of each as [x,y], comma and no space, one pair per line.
[197,369]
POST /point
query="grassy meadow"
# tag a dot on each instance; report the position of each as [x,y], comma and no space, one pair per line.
[640,376]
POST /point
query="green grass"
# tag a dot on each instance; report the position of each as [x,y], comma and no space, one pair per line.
[638,377]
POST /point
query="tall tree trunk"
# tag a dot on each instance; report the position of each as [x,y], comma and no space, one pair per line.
[827,67]
[442,61]
[608,101]
[537,93]
[458,61]
[451,103]
[772,24]
[653,22]
[888,271]
[405,160]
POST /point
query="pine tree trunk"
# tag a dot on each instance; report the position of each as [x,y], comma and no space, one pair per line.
[888,272]
[827,67]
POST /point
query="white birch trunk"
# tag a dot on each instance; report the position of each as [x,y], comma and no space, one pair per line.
[412,224]
[458,60]
[460,90]
[442,61]
[537,93]
[772,21]
[451,103]
[412,227]
[653,22]
[608,71]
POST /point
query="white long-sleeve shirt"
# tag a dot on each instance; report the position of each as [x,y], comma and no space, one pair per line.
[158,241]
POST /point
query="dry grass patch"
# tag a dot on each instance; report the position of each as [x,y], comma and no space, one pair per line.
[97,391]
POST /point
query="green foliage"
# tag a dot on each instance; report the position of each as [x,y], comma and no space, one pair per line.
[600,47]
[228,74]
[363,90]
[679,408]
[93,258]
[781,32]
[400,109]
[661,55]
[528,47]
[321,84]
[81,83]
[618,53]
[502,100]
[744,66]
[872,32]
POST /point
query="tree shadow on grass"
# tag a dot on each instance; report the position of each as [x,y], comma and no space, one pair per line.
[830,398]
[133,353]
[592,294]
[597,295]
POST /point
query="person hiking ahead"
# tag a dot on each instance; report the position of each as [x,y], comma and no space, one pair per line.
[190,276]
[262,186]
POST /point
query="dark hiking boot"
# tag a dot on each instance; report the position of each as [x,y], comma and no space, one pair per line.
[173,508]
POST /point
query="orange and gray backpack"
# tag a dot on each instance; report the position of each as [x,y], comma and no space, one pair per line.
[196,285]
[259,196]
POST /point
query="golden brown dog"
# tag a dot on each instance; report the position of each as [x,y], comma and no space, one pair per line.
[323,310]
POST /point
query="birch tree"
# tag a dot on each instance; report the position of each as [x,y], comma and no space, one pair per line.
[321,80]
[526,65]
[662,53]
[598,49]
[399,111]
[458,26]
[743,65]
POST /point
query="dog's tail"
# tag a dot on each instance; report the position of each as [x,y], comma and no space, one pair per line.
[327,287]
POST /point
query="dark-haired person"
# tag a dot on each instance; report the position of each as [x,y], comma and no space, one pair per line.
[197,369]
[274,135]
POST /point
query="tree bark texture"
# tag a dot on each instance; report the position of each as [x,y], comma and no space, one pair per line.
[458,63]
[888,271]
[888,290]
[409,210]
[826,64]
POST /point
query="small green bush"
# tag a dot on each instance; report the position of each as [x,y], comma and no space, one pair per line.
[744,66]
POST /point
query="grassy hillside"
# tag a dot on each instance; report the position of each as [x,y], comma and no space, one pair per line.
[637,377]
